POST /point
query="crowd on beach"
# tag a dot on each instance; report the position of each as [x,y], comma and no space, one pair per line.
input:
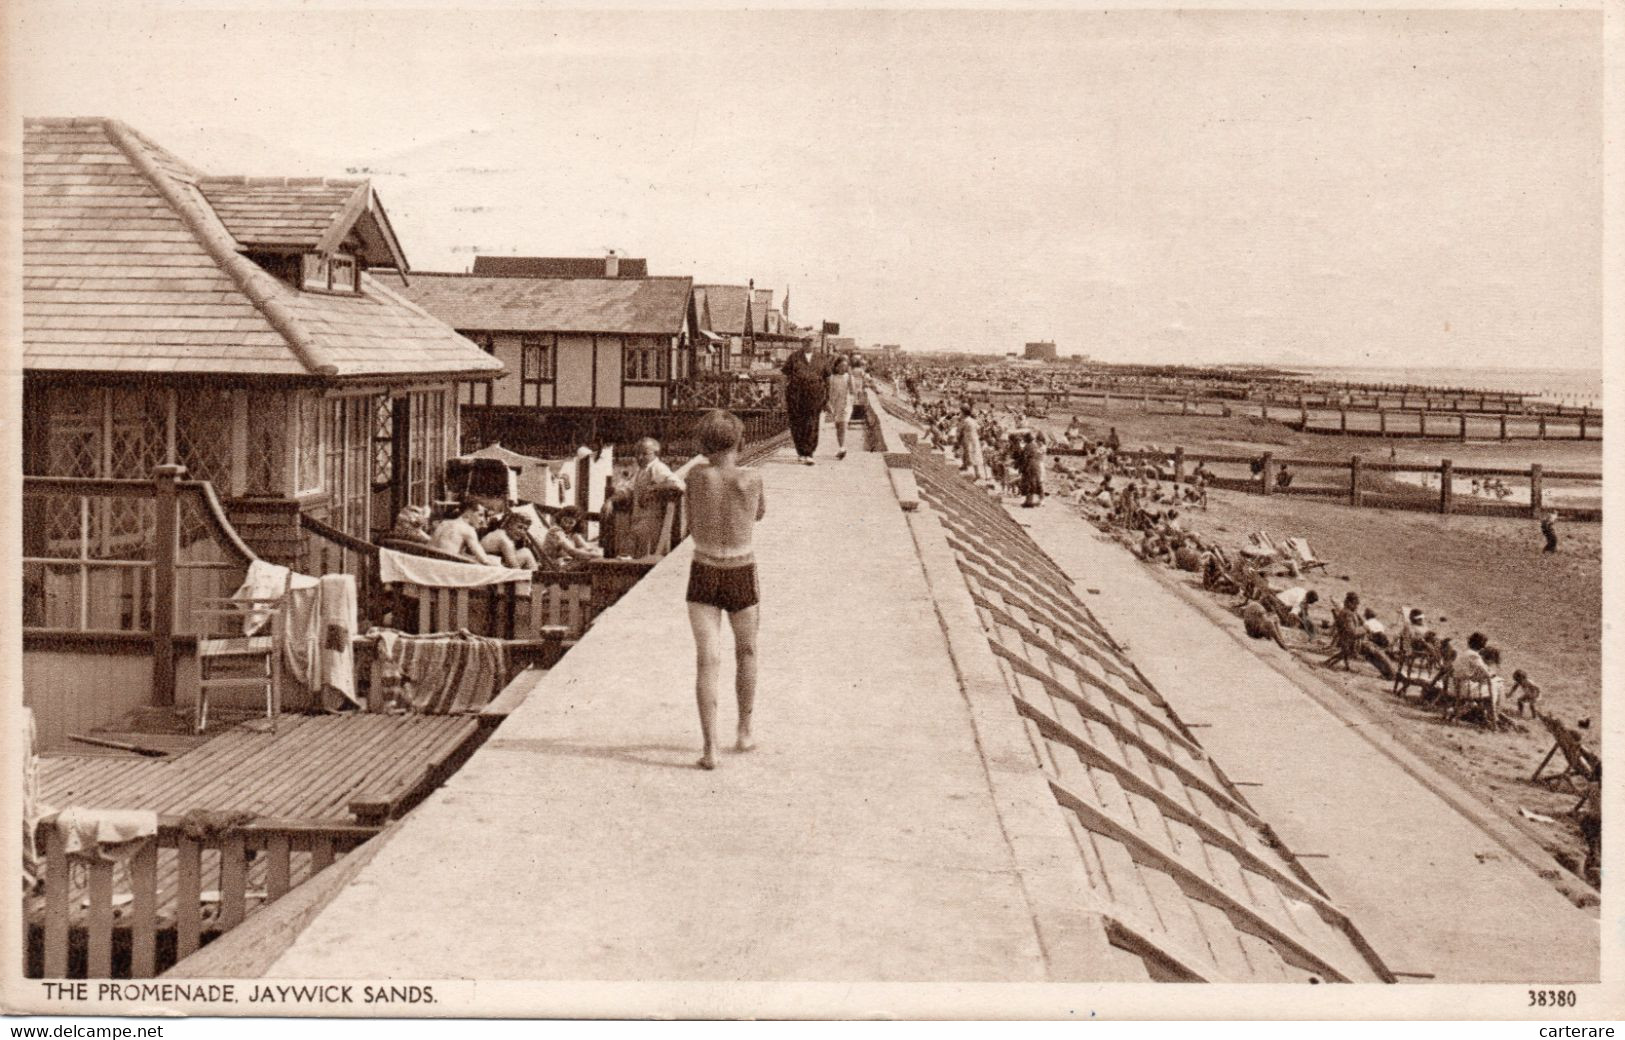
[1137,498]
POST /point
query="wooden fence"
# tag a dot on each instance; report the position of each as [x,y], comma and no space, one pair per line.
[1406,416]
[80,915]
[1355,489]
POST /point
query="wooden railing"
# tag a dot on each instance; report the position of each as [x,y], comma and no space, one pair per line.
[166,886]
[731,390]
[105,561]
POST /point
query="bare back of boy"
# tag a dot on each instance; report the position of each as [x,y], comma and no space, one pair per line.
[724,502]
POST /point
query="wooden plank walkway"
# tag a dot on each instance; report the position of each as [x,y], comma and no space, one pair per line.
[308,770]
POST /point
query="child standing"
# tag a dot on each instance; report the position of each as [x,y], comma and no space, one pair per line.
[724,503]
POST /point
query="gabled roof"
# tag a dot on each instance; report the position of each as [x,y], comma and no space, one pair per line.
[129,268]
[557,267]
[761,307]
[648,306]
[722,308]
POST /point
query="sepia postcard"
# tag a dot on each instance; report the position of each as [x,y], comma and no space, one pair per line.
[521,510]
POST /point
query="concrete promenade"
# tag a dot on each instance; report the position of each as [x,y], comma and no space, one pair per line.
[1437,891]
[861,841]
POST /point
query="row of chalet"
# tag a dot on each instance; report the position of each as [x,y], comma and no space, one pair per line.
[270,335]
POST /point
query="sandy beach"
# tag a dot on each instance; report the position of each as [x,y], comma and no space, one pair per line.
[1469,573]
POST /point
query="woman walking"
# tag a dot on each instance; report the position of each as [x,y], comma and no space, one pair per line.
[838,402]
[970,445]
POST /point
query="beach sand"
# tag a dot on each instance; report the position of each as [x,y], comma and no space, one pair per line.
[1469,573]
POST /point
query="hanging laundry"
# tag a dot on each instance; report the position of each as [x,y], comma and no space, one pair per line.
[443,674]
[442,574]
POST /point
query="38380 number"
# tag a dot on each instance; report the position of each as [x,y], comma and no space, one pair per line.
[1552,998]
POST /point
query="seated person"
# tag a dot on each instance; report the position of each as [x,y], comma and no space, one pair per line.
[510,540]
[1375,630]
[1469,665]
[1260,625]
[565,547]
[1293,605]
[1411,632]
[459,535]
[1188,557]
[412,525]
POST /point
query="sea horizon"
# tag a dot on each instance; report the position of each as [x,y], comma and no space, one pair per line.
[1573,385]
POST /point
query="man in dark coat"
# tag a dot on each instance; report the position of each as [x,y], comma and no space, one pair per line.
[804,390]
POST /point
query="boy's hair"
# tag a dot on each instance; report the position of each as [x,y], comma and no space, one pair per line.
[570,513]
[719,431]
[650,443]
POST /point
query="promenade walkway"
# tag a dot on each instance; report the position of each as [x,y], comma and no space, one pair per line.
[861,841]
[960,778]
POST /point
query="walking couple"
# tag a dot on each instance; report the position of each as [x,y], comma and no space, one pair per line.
[813,387]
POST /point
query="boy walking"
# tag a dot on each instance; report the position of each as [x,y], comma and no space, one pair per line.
[724,502]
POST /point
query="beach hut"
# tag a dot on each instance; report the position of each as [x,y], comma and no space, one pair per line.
[229,325]
[232,325]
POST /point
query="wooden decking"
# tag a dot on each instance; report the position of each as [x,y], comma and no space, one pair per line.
[309,770]
[315,788]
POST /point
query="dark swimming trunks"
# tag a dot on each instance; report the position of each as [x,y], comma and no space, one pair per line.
[730,588]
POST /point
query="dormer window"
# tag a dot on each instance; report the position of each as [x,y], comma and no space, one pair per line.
[335,273]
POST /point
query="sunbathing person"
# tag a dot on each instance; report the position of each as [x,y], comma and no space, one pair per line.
[1260,624]
[1375,630]
[1187,557]
[412,525]
[510,540]
[1348,632]
[459,535]
[564,547]
[1292,605]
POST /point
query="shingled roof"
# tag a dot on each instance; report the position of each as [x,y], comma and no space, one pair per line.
[1185,874]
[722,308]
[558,266]
[647,306]
[128,267]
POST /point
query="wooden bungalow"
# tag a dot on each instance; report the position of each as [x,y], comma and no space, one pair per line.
[599,360]
[223,324]
[727,327]
[230,325]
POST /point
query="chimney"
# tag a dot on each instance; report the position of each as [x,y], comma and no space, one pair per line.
[612,266]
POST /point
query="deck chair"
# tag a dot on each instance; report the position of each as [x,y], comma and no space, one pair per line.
[243,661]
[1265,553]
[1466,699]
[1579,762]
[1415,666]
[1299,547]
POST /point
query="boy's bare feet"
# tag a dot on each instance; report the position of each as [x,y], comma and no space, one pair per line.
[707,761]
[745,743]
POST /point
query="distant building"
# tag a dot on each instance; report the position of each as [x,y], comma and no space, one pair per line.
[1043,350]
[727,327]
[561,267]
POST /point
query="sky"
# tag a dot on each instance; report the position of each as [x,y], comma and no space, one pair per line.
[1344,188]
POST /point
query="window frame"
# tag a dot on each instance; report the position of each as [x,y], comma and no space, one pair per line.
[318,271]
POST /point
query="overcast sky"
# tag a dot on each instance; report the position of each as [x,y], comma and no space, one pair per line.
[1343,188]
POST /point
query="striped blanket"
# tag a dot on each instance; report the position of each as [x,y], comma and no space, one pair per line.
[443,674]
